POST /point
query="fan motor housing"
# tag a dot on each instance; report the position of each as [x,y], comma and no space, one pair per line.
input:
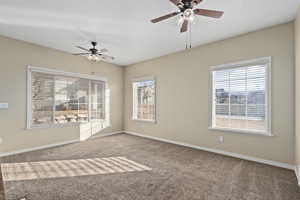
[186,4]
[94,51]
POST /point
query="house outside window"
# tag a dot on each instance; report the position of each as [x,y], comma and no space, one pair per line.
[241,97]
[144,99]
[59,98]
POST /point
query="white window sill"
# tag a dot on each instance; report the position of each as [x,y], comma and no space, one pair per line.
[46,126]
[54,125]
[229,130]
[145,120]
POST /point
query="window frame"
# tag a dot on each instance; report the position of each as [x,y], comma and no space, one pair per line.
[267,61]
[133,117]
[29,113]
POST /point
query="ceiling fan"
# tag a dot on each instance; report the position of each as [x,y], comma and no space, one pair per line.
[93,54]
[187,12]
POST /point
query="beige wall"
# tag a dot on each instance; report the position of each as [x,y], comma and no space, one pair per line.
[183,88]
[297,86]
[14,58]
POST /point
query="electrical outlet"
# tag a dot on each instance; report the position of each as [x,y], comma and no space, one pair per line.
[3,105]
[221,139]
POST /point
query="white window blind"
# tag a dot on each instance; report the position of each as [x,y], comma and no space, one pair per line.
[144,100]
[57,99]
[240,98]
[42,98]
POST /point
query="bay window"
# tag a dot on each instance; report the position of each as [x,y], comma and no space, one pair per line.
[56,98]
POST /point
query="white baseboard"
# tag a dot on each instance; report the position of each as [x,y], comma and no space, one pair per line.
[297,172]
[37,148]
[259,160]
[106,134]
[53,145]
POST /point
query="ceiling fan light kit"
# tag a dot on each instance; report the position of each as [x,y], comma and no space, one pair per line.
[93,58]
[188,15]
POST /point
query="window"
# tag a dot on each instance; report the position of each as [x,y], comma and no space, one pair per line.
[144,99]
[97,100]
[61,98]
[241,97]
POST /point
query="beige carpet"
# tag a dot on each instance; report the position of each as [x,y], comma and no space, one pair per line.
[178,173]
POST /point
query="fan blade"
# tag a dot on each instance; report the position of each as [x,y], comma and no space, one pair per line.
[102,51]
[105,57]
[80,54]
[184,26]
[164,17]
[79,47]
[209,13]
[176,2]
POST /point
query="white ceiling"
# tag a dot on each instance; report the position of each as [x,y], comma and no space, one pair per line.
[124,28]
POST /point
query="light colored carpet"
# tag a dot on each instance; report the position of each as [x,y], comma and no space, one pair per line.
[178,173]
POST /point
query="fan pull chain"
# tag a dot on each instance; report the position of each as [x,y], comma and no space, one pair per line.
[188,37]
[190,31]
[186,40]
